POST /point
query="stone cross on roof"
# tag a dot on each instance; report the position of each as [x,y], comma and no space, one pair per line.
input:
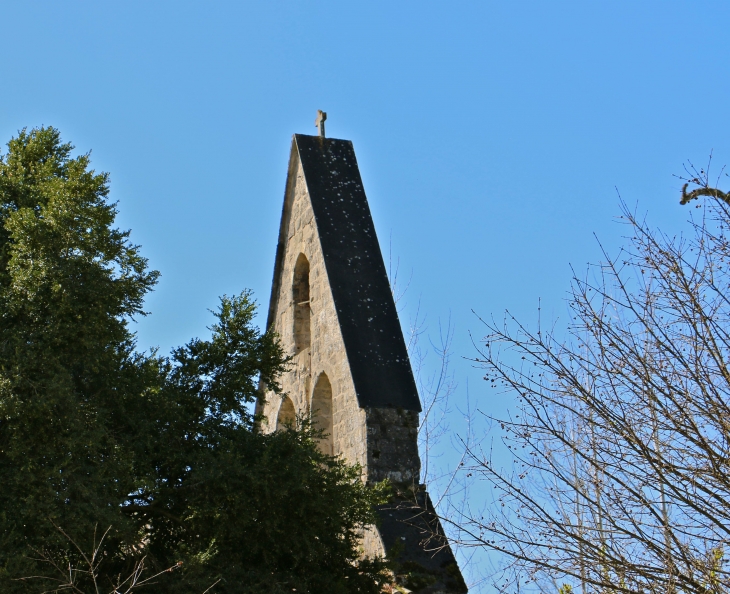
[319,122]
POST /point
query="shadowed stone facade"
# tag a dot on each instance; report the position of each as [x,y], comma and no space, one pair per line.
[333,310]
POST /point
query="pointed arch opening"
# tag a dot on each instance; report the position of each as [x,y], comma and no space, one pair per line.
[287,416]
[322,413]
[302,309]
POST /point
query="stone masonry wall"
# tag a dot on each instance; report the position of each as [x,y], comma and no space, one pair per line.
[327,352]
[383,441]
[393,446]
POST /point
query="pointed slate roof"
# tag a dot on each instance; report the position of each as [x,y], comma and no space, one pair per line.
[376,351]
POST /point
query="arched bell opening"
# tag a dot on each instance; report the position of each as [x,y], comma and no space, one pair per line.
[287,416]
[322,413]
[302,310]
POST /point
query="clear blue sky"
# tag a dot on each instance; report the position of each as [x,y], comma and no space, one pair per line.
[491,136]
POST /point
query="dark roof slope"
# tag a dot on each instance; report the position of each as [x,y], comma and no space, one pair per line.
[414,540]
[367,315]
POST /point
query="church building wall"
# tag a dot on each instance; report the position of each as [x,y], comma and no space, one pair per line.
[349,371]
[326,350]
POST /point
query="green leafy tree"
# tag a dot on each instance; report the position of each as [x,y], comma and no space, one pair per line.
[157,454]
[68,372]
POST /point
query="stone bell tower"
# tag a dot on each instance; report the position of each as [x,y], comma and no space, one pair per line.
[332,307]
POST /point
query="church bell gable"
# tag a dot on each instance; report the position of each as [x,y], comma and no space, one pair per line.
[333,310]
[355,270]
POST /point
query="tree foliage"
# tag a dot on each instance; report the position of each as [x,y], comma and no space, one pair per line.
[621,440]
[157,453]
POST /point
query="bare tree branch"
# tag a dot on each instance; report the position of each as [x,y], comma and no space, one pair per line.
[620,475]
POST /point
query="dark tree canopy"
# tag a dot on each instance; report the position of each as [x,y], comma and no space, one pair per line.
[161,451]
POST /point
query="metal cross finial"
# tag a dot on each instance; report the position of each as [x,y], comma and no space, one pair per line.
[319,122]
